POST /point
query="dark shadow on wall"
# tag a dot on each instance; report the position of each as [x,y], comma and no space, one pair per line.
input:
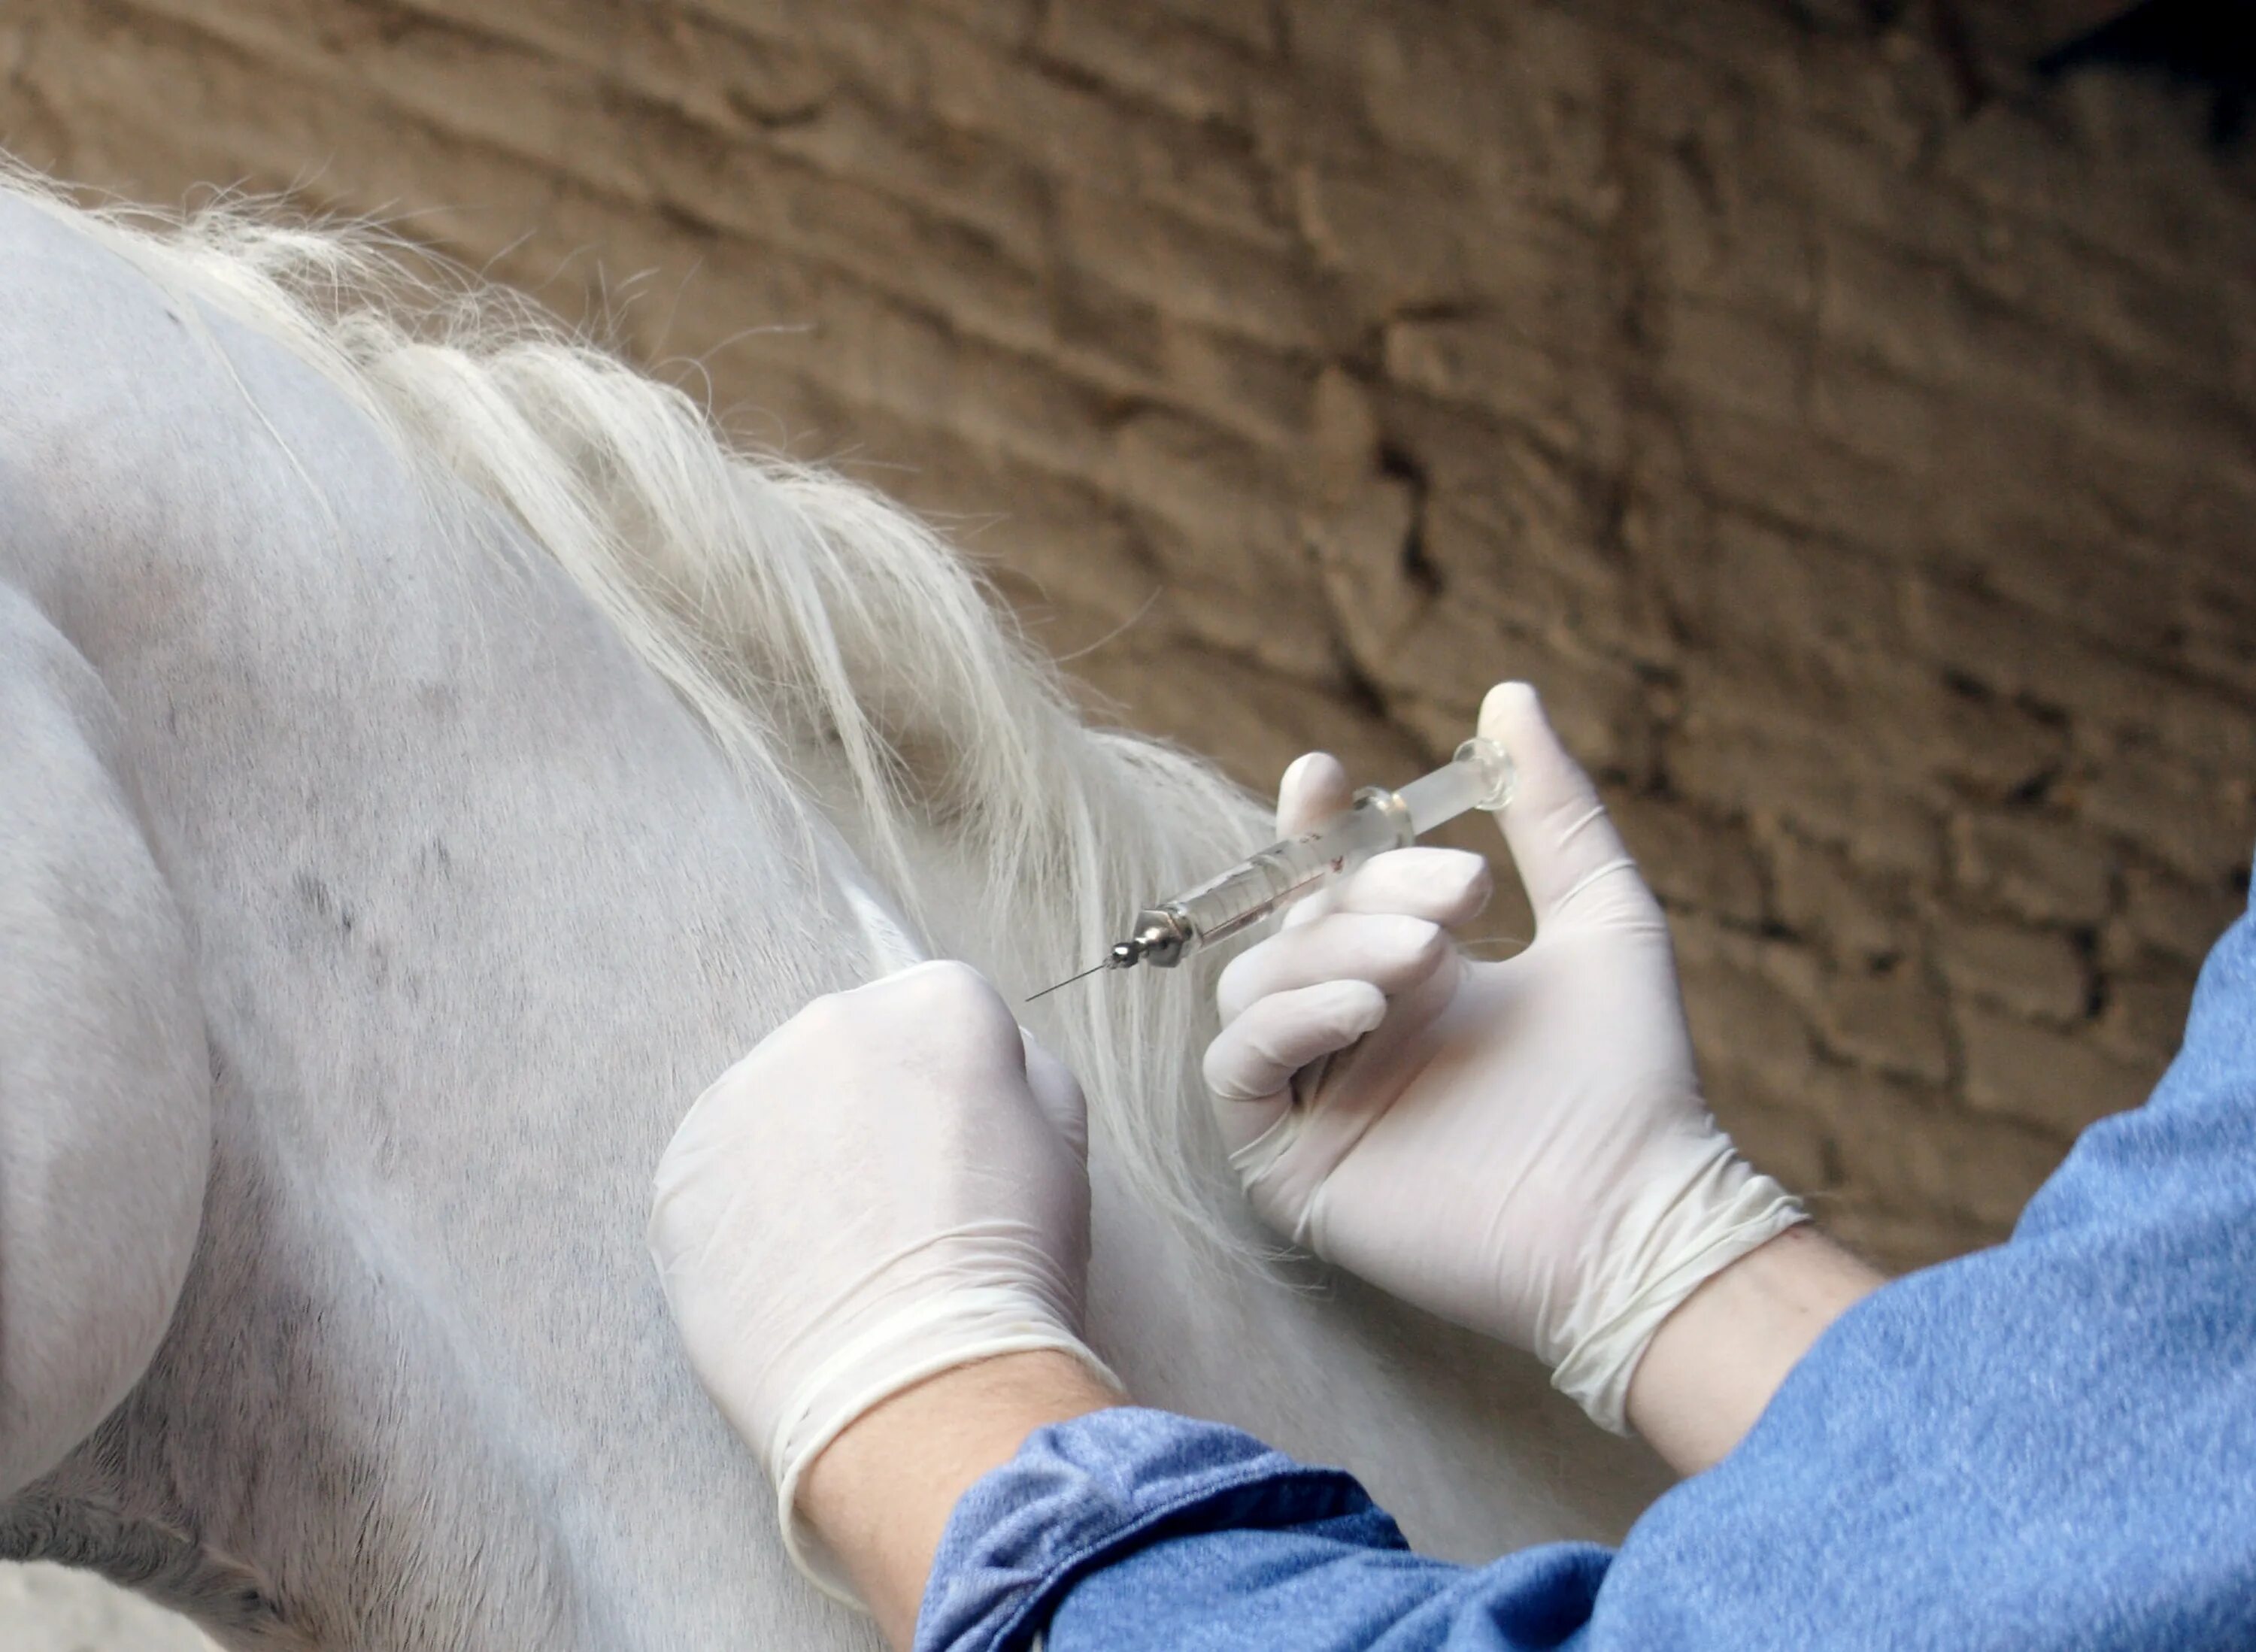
[2209,44]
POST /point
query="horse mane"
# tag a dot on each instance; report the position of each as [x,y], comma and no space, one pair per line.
[816,628]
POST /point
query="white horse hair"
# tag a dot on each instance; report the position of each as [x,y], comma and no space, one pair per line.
[428,752]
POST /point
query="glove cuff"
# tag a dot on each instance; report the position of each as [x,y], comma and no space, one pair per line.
[1722,1212]
[939,1333]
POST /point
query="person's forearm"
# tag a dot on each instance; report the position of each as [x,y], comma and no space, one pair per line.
[1716,1361]
[881,1492]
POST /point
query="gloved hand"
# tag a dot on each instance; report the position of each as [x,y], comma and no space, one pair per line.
[894,1183]
[1518,1146]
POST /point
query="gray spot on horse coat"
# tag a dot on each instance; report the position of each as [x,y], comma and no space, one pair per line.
[323,900]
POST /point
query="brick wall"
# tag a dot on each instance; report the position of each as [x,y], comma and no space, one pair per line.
[1865,480]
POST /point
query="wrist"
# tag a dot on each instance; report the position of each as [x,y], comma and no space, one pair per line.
[886,1340]
[1689,1211]
[1715,1362]
[879,1495]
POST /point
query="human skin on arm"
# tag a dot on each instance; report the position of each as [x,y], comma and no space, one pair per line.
[1716,1361]
[882,1491]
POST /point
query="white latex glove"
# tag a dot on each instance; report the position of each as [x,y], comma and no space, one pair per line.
[893,1183]
[1518,1146]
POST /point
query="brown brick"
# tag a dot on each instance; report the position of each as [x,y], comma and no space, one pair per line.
[2039,866]
[2150,213]
[1250,23]
[2171,916]
[1771,595]
[1749,1032]
[1903,313]
[2038,973]
[1777,468]
[1903,1240]
[1438,92]
[1009,22]
[1977,743]
[1792,966]
[1396,243]
[1570,403]
[1691,861]
[1891,1023]
[1252,722]
[1072,130]
[2021,655]
[1872,410]
[1189,270]
[2057,558]
[1747,363]
[1898,1148]
[1534,574]
[1816,892]
[1457,93]
[2200,825]
[1756,750]
[1150,57]
[993,197]
[2049,1078]
[1246,387]
[1783,1140]
[2144,1017]
[1726,238]
[1361,555]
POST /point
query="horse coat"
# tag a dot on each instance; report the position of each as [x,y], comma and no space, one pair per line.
[427,757]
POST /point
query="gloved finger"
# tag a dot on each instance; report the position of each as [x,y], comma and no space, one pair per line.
[1564,843]
[1315,788]
[1057,1093]
[1448,887]
[1385,950]
[1251,1062]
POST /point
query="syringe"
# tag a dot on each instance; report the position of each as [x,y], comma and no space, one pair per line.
[1479,776]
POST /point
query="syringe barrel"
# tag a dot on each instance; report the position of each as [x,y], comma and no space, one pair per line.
[1479,777]
[1269,877]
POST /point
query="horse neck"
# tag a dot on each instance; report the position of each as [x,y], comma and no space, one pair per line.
[419,1390]
[420,1387]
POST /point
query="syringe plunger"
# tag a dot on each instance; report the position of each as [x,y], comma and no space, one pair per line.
[1479,776]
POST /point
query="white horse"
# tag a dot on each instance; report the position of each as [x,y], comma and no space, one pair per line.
[428,754]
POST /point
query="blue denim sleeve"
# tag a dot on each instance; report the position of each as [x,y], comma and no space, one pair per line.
[2048,1445]
[1139,1528]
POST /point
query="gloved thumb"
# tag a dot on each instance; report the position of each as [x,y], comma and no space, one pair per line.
[1564,843]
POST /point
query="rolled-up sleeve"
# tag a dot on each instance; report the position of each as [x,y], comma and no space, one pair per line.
[1133,1528]
[2044,1445]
